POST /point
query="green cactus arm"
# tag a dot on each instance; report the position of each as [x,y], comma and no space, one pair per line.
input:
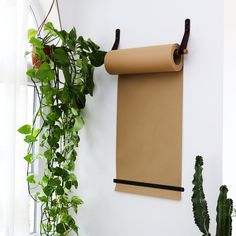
[228,224]
[224,212]
[221,211]
[200,209]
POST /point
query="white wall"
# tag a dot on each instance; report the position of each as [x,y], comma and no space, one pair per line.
[229,118]
[143,23]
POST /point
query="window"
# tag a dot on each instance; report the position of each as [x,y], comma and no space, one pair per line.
[35,11]
[32,107]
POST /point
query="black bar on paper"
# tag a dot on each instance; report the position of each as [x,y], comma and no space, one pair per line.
[149,185]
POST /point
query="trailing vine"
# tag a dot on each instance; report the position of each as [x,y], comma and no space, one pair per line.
[62,75]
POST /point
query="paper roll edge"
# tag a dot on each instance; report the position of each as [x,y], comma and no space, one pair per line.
[176,59]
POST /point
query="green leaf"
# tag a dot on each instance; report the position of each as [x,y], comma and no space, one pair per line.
[61,228]
[89,81]
[25,129]
[61,57]
[64,199]
[31,179]
[30,139]
[71,45]
[48,154]
[49,101]
[60,157]
[45,89]
[29,158]
[73,34]
[54,182]
[92,45]
[80,97]
[49,227]
[56,133]
[36,42]
[72,177]
[70,222]
[68,184]
[63,35]
[50,28]
[67,74]
[64,95]
[74,153]
[48,190]
[59,190]
[31,73]
[44,67]
[74,227]
[45,73]
[45,179]
[53,142]
[97,58]
[75,183]
[51,75]
[71,41]
[43,199]
[71,165]
[31,33]
[40,54]
[76,200]
[74,111]
[79,63]
[84,67]
[79,123]
[53,116]
[36,132]
[58,171]
[53,211]
[83,43]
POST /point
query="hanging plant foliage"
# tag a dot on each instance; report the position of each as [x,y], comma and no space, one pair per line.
[62,76]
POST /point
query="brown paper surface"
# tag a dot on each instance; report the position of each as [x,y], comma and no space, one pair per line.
[149,118]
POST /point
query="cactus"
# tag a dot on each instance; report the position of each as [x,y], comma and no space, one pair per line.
[200,209]
[224,212]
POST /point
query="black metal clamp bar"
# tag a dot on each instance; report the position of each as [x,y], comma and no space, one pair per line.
[149,185]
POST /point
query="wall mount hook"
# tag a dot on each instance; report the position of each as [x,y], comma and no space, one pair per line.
[184,42]
[183,46]
[117,40]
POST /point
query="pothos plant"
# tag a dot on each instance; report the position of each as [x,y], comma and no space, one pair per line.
[62,76]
